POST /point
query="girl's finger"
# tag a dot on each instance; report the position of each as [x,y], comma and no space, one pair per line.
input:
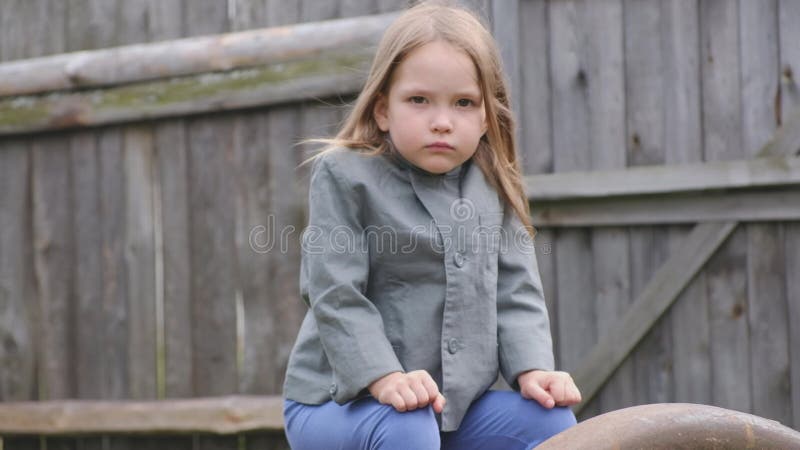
[540,395]
[397,401]
[421,393]
[409,397]
[430,387]
[559,390]
[438,403]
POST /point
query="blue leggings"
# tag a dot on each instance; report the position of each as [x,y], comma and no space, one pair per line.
[502,420]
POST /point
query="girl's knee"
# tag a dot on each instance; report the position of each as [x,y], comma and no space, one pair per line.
[411,429]
[559,419]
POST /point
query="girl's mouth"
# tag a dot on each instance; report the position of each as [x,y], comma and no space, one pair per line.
[440,146]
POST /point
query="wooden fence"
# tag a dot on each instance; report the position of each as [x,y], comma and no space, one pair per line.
[127,269]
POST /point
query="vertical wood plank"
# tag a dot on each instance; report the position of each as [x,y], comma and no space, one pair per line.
[726,272]
[505,28]
[535,145]
[140,256]
[603,61]
[251,165]
[792,246]
[788,15]
[214,271]
[644,65]
[683,143]
[571,148]
[176,354]
[17,312]
[18,319]
[643,380]
[287,208]
[767,306]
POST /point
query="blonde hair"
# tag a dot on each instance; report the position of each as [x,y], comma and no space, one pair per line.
[419,25]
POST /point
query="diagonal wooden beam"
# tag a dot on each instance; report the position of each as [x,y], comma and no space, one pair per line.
[667,283]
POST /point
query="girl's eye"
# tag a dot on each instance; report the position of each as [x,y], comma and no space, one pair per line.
[464,102]
[417,99]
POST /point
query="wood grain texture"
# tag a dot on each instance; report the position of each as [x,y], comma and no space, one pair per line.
[789,13]
[767,306]
[680,38]
[535,146]
[726,272]
[17,306]
[212,247]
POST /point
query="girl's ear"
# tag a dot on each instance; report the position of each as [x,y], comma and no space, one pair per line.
[380,112]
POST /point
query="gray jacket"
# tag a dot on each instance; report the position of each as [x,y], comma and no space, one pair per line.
[405,270]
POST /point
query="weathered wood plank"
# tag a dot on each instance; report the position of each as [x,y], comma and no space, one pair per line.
[683,145]
[792,252]
[604,49]
[767,313]
[211,243]
[219,415]
[642,378]
[767,306]
[89,362]
[53,255]
[789,13]
[748,206]
[178,354]
[131,26]
[17,308]
[506,32]
[656,297]
[726,274]
[214,269]
[140,260]
[572,135]
[175,354]
[535,127]
[663,179]
[115,324]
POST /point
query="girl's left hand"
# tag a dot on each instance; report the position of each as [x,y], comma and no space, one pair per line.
[549,388]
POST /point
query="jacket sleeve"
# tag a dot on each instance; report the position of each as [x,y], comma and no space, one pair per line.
[334,275]
[523,326]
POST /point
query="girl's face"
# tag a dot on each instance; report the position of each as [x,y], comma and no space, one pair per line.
[434,109]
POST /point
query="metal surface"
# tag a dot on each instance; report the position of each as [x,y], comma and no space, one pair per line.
[675,426]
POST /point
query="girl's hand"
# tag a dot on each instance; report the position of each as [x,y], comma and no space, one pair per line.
[407,391]
[549,388]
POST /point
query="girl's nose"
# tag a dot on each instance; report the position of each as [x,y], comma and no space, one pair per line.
[441,123]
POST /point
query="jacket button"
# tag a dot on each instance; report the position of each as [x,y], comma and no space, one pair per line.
[458,259]
[332,390]
[452,346]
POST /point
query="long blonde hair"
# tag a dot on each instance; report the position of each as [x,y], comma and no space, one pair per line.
[419,25]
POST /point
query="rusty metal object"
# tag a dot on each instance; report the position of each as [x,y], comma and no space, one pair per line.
[675,426]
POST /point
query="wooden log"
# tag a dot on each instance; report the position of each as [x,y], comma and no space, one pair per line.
[168,59]
[335,73]
[218,415]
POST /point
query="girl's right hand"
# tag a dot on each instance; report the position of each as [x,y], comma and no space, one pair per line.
[407,391]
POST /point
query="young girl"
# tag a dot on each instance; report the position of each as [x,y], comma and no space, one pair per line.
[418,263]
